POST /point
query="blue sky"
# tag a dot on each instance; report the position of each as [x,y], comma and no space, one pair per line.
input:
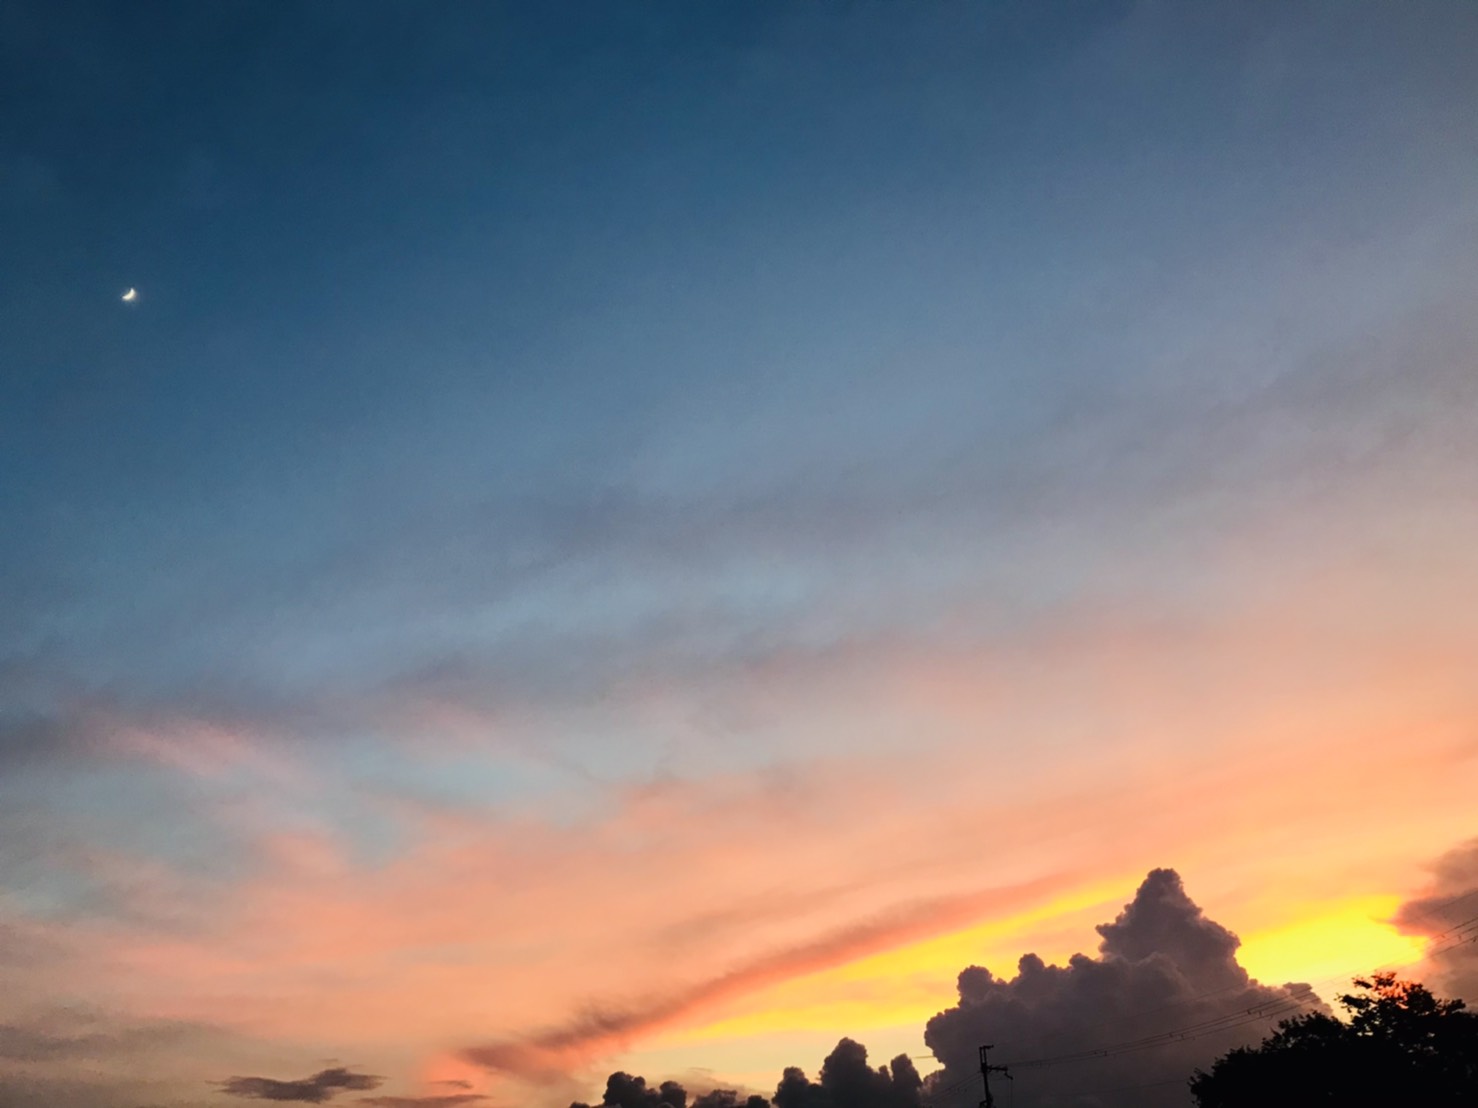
[526,406]
[434,310]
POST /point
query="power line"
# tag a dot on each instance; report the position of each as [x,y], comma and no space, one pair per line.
[1463,933]
[1456,935]
[1257,1013]
[1440,906]
[1464,928]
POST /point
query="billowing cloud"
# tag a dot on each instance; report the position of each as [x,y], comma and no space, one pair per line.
[1166,984]
[1164,995]
[1448,913]
[322,1086]
[689,440]
[729,1098]
[625,1091]
[847,1081]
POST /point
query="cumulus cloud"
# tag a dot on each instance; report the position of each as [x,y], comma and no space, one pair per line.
[1448,913]
[1162,967]
[625,1091]
[729,1098]
[322,1086]
[846,1081]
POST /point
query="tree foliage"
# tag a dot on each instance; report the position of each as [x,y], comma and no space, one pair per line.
[1399,1046]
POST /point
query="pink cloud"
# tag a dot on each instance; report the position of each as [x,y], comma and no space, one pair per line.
[1094,751]
[555,1051]
[197,748]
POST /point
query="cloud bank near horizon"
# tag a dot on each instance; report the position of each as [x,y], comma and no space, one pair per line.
[1448,912]
[1162,967]
[1164,974]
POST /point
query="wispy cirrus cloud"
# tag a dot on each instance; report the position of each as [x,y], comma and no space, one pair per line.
[69,1036]
[554,1052]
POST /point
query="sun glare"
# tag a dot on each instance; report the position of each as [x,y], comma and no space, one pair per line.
[1353,939]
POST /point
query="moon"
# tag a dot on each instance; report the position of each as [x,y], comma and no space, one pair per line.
[130,296]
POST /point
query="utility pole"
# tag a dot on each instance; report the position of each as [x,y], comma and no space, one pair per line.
[986,1069]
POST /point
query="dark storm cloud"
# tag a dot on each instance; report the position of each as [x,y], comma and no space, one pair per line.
[1162,967]
[322,1086]
[1448,913]
[551,1053]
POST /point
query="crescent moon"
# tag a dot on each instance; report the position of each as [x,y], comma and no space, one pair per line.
[130,296]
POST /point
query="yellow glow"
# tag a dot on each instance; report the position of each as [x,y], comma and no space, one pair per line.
[907,985]
[910,983]
[952,952]
[1352,939]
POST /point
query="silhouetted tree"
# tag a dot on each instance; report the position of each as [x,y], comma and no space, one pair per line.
[1400,1046]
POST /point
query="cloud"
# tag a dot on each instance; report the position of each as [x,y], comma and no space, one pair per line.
[1448,913]
[846,1081]
[549,1054]
[21,1043]
[729,1098]
[450,1100]
[625,1091]
[69,1035]
[322,1086]
[1162,967]
[83,1057]
[23,1091]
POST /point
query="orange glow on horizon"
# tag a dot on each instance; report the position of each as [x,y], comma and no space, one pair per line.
[1354,937]
[909,983]
[906,985]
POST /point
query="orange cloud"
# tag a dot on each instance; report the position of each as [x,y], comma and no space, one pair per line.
[557,1050]
[1089,753]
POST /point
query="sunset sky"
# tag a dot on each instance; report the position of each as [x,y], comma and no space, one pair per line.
[650,536]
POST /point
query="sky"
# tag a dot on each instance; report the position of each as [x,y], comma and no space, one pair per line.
[652,536]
